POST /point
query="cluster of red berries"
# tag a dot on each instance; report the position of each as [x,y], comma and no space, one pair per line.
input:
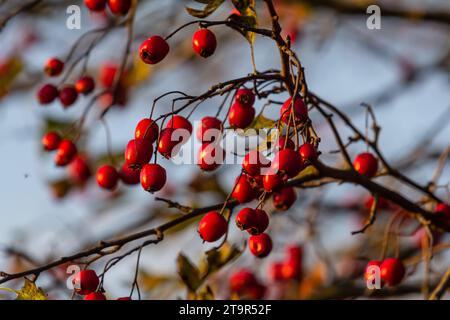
[86,283]
[117,7]
[289,269]
[244,284]
[392,271]
[66,150]
[255,222]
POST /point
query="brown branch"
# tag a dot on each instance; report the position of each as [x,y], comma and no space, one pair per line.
[440,289]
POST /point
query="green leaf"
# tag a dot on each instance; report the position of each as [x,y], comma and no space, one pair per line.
[248,17]
[210,7]
[261,122]
[188,273]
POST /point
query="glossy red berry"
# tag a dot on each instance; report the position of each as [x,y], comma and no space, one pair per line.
[119,7]
[85,85]
[147,129]
[243,190]
[307,152]
[245,97]
[283,144]
[443,209]
[392,271]
[107,74]
[262,222]
[95,296]
[292,267]
[210,156]
[167,143]
[79,169]
[138,152]
[276,271]
[47,94]
[209,130]
[300,112]
[153,177]
[246,219]
[260,245]
[65,153]
[284,199]
[272,182]
[95,5]
[54,67]
[129,175]
[212,226]
[287,162]
[68,95]
[241,280]
[51,140]
[85,282]
[179,122]
[107,177]
[366,164]
[368,272]
[204,42]
[240,117]
[253,162]
[153,50]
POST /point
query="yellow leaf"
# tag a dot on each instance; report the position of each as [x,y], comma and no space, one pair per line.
[138,73]
[261,122]
[30,291]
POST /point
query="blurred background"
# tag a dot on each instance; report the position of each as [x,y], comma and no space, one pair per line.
[401,70]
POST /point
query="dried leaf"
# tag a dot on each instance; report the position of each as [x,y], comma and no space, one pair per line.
[188,273]
[247,16]
[210,7]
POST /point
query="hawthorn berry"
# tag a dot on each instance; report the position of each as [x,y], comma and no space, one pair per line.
[85,85]
[392,271]
[241,280]
[366,164]
[119,7]
[153,177]
[204,42]
[245,97]
[284,199]
[262,222]
[129,175]
[253,162]
[107,74]
[79,169]
[243,191]
[383,203]
[212,226]
[240,117]
[272,182]
[95,5]
[51,140]
[300,112]
[167,143]
[53,67]
[153,50]
[65,153]
[255,292]
[107,177]
[292,267]
[47,94]
[209,129]
[179,122]
[276,271]
[307,152]
[443,209]
[368,273]
[68,95]
[95,296]
[138,152]
[260,245]
[287,162]
[124,298]
[210,156]
[85,282]
[246,219]
[283,144]
[147,129]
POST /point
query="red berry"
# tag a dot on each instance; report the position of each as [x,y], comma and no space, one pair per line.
[212,226]
[241,117]
[85,85]
[138,152]
[153,50]
[107,74]
[243,190]
[300,111]
[366,164]
[51,141]
[292,270]
[392,271]
[209,130]
[179,122]
[242,280]
[68,95]
[255,292]
[47,94]
[204,42]
[246,219]
[147,129]
[260,245]
[95,5]
[383,204]
[276,271]
[107,177]
[79,169]
[167,143]
[307,152]
[443,209]
[129,175]
[284,199]
[210,156]
[287,162]
[272,182]
[262,222]
[368,273]
[283,144]
[153,177]
[95,296]
[245,97]
[85,282]
[124,298]
[119,7]
[253,162]
[54,67]
[65,153]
